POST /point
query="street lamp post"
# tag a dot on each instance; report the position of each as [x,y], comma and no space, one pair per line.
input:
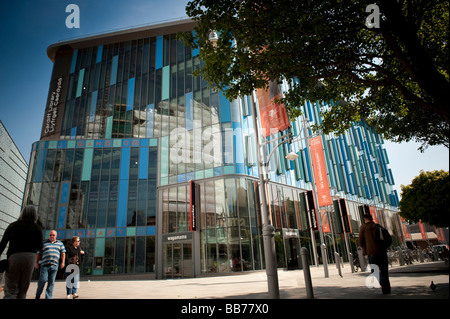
[323,247]
[267,228]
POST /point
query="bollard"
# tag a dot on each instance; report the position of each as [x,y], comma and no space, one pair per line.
[306,273]
[338,262]
[352,267]
[401,260]
[362,260]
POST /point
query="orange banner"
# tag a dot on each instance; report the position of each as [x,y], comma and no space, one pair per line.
[320,172]
[373,212]
[273,115]
[423,232]
[325,221]
[405,228]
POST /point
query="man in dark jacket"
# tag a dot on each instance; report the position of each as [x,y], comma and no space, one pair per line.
[377,255]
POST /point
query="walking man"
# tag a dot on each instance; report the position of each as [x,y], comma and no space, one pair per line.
[377,253]
[49,260]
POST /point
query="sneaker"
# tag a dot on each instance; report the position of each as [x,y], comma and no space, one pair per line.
[75,296]
[69,297]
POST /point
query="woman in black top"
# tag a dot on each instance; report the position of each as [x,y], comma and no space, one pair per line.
[25,239]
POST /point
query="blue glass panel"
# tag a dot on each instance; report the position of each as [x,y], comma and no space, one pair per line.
[87,164]
[143,163]
[73,132]
[130,97]
[150,116]
[74,61]
[109,125]
[39,166]
[80,83]
[140,231]
[308,165]
[99,250]
[165,83]
[159,52]
[151,230]
[62,217]
[238,146]
[189,107]
[195,52]
[240,169]
[218,171]
[225,115]
[125,163]
[115,63]
[164,164]
[64,193]
[122,203]
[93,106]
[181,178]
[99,54]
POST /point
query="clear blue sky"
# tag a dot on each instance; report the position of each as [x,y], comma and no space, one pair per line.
[28,27]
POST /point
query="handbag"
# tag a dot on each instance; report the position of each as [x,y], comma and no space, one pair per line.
[3,265]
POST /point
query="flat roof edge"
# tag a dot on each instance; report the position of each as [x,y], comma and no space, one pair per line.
[122,34]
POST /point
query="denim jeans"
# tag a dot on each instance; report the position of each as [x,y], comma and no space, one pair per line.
[47,275]
[73,284]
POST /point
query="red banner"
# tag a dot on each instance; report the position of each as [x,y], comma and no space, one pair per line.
[325,221]
[373,212]
[405,228]
[320,172]
[273,115]
[423,232]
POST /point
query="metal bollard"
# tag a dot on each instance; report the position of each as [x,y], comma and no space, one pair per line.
[362,260]
[338,262]
[306,273]
[352,266]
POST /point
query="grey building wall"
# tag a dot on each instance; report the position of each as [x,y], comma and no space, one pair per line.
[13,173]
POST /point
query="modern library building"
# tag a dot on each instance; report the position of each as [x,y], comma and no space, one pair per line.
[157,172]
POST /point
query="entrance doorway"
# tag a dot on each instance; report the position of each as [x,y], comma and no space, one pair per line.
[291,241]
[177,261]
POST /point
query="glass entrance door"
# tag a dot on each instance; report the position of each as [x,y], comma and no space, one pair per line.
[292,251]
[178,261]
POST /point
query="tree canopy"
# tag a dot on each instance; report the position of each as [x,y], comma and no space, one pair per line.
[427,198]
[393,75]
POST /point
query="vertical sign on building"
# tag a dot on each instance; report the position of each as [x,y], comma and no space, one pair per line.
[320,172]
[193,190]
[312,210]
[345,217]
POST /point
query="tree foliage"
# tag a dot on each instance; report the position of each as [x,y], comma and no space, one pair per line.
[394,77]
[427,198]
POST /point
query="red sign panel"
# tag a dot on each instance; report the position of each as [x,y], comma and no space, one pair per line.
[320,172]
[273,115]
[423,232]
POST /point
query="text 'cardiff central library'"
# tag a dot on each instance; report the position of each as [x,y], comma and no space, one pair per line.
[157,173]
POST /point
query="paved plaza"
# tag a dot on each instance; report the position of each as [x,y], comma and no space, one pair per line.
[408,282]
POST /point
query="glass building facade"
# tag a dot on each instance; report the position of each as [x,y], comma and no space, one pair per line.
[157,172]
